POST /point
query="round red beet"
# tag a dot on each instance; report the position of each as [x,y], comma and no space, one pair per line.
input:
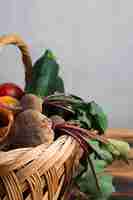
[11,89]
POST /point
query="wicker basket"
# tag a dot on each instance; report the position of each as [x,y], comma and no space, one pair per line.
[43,172]
[39,173]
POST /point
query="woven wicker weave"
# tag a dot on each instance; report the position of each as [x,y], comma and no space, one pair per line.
[39,173]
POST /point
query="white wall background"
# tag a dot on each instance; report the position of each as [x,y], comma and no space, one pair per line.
[93,40]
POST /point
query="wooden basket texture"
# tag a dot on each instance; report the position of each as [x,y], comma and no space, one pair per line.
[39,173]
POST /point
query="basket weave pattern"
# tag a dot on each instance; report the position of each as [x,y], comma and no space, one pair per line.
[39,172]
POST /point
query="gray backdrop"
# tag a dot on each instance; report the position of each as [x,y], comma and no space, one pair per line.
[92,39]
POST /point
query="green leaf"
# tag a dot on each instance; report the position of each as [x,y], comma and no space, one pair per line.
[84,120]
[45,80]
[76,97]
[101,151]
[50,55]
[90,115]
[60,85]
[87,183]
[99,119]
[119,149]
[80,109]
[68,99]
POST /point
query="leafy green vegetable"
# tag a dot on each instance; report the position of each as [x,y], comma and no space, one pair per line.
[113,149]
[92,115]
[86,180]
[87,183]
[99,118]
[59,85]
[119,149]
[102,152]
[89,115]
[45,79]
[81,115]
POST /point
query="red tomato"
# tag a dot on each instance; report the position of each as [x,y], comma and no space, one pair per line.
[11,89]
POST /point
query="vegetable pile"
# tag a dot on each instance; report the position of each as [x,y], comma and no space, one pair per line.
[43,111]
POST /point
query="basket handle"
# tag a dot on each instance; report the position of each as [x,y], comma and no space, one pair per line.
[16,40]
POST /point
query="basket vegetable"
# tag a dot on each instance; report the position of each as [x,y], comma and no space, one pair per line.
[52,144]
